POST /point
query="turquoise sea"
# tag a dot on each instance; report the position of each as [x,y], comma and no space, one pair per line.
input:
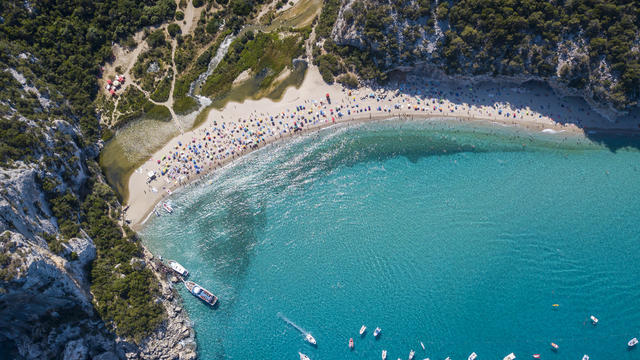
[461,236]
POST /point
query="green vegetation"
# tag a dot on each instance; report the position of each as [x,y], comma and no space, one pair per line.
[185,105]
[327,18]
[264,54]
[70,40]
[123,293]
[498,37]
[348,80]
[173,29]
[161,94]
[17,140]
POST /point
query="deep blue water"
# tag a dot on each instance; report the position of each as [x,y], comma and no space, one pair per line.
[460,236]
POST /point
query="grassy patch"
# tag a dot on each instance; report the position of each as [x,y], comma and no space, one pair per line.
[185,105]
[156,112]
[161,94]
[265,54]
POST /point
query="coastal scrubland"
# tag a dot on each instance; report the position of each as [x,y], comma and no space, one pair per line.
[589,45]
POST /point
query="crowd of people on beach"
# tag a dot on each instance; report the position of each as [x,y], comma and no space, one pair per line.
[225,138]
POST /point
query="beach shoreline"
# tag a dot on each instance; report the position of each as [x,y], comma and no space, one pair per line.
[366,103]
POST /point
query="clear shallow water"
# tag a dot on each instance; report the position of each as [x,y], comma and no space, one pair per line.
[465,250]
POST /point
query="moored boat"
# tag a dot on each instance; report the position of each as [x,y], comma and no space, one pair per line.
[351,343]
[303,356]
[585,357]
[384,354]
[510,357]
[201,293]
[594,320]
[310,339]
[421,344]
[179,269]
[362,330]
[167,208]
[536,356]
[554,346]
[633,342]
[376,332]
[473,356]
[411,354]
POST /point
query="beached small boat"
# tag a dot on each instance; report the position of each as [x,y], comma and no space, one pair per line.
[594,319]
[376,332]
[201,293]
[179,269]
[384,354]
[362,330]
[633,342]
[509,357]
[585,357]
[303,356]
[411,354]
[473,356]
[554,346]
[351,343]
[310,339]
[167,207]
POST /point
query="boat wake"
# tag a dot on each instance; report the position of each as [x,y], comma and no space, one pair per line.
[303,331]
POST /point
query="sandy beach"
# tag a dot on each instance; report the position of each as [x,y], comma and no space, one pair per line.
[240,128]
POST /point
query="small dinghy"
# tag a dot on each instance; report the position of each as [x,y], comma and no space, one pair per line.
[362,330]
[554,346]
[384,354]
[179,269]
[594,320]
[351,343]
[511,356]
[167,207]
[310,339]
[376,332]
[411,354]
[421,344]
[585,357]
[633,342]
[303,356]
[536,356]
[473,356]
[201,293]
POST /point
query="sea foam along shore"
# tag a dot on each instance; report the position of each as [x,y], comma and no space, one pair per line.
[239,128]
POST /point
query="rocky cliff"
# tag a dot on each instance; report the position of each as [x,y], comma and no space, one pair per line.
[590,48]
[47,304]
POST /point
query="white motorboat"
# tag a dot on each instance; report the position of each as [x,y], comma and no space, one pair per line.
[310,339]
[167,207]
[179,269]
[303,356]
[509,357]
[411,354]
[473,356]
[384,354]
[421,344]
[633,342]
[362,330]
[594,320]
[585,357]
[376,332]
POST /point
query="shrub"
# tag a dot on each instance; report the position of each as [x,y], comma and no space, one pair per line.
[179,15]
[348,80]
[156,39]
[173,30]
